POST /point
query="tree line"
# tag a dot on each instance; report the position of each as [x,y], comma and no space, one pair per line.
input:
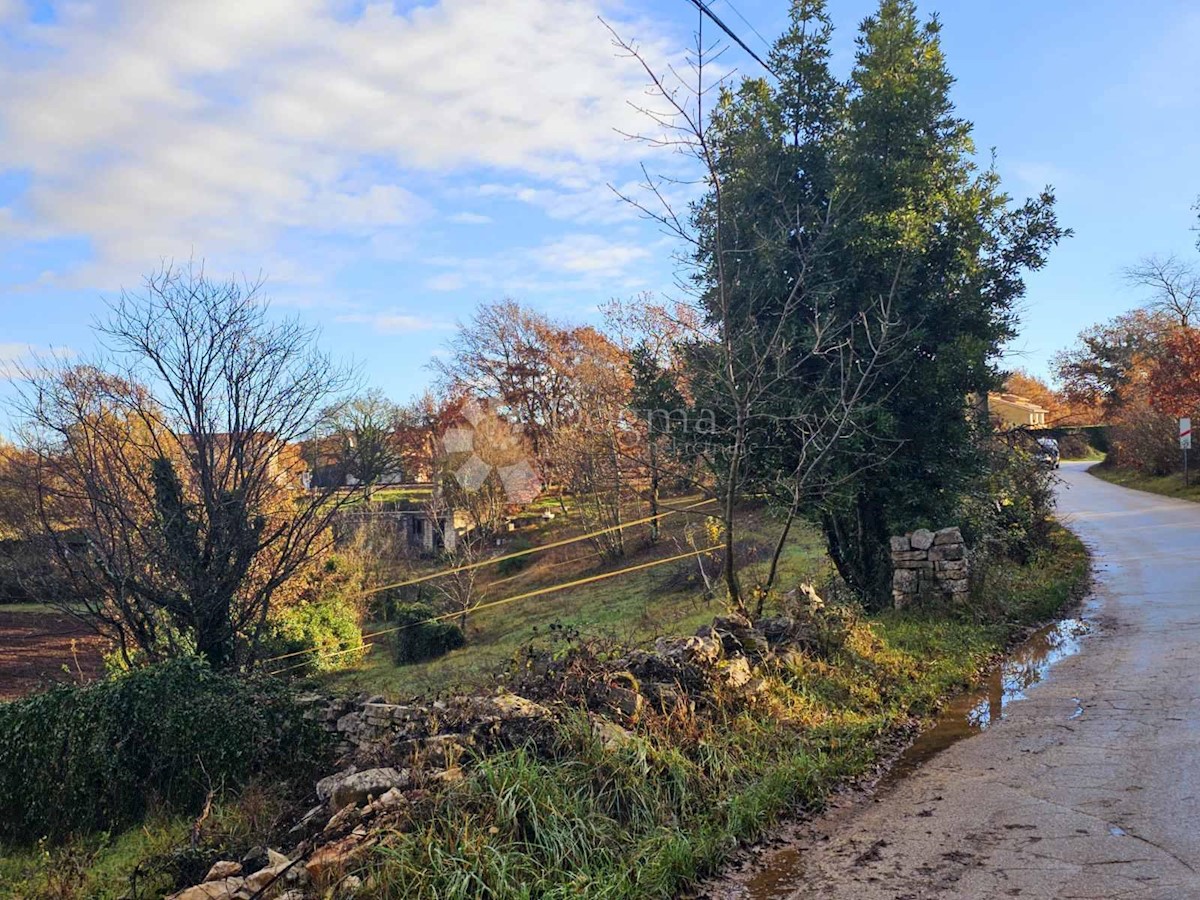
[849,274]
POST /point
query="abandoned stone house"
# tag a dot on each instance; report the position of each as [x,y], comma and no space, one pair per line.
[409,527]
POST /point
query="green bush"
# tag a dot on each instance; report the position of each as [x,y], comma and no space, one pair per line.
[80,759]
[513,566]
[1010,510]
[328,627]
[325,618]
[418,639]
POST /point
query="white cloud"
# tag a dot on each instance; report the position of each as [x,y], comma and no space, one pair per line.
[390,322]
[10,10]
[590,254]
[171,125]
[16,359]
[470,218]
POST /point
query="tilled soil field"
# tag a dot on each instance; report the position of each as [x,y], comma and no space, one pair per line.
[37,648]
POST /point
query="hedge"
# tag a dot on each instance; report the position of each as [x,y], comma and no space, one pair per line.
[97,757]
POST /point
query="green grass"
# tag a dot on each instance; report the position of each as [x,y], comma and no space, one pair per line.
[647,820]
[1166,485]
[97,867]
[633,609]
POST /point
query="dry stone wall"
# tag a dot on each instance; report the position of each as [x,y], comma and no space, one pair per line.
[929,564]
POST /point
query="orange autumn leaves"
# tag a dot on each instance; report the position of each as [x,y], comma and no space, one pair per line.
[1174,374]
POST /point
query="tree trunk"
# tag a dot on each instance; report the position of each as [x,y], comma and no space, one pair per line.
[655,530]
[858,543]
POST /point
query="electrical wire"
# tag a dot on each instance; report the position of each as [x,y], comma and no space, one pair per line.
[670,511]
[704,8]
[525,596]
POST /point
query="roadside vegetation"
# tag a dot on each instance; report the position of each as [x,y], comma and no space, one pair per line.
[1167,485]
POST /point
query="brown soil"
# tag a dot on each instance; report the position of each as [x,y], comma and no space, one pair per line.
[36,646]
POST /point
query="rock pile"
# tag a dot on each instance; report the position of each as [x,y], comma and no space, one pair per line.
[396,757]
[929,564]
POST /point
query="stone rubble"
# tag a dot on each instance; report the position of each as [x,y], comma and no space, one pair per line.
[394,753]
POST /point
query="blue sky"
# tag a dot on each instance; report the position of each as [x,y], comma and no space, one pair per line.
[387,166]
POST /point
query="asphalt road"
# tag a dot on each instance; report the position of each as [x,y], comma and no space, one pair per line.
[1089,787]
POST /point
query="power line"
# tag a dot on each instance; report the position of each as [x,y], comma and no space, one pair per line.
[668,511]
[704,9]
[747,23]
[525,596]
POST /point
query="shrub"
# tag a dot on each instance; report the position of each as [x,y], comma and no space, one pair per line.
[1010,510]
[324,617]
[419,639]
[329,628]
[78,759]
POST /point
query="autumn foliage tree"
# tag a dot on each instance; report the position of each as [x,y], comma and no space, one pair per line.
[1174,382]
[165,477]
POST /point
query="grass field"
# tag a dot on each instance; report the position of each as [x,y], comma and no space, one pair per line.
[631,609]
[1166,485]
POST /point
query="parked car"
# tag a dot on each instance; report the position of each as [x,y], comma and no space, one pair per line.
[1047,452]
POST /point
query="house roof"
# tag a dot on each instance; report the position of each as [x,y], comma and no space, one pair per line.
[1018,401]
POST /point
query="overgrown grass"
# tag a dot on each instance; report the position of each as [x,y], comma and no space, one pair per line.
[580,819]
[648,819]
[150,860]
[632,609]
[1166,485]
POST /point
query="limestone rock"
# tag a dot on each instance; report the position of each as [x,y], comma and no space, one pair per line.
[948,536]
[358,788]
[333,859]
[326,785]
[611,735]
[226,889]
[942,552]
[736,671]
[226,868]
[900,543]
[264,878]
[700,650]
[921,539]
[731,623]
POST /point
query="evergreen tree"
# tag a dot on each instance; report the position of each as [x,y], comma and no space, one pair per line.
[928,226]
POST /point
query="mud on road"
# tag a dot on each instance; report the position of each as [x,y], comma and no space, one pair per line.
[35,647]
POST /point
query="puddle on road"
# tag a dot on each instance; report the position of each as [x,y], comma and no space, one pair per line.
[1028,664]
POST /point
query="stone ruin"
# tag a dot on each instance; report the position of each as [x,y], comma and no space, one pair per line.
[930,565]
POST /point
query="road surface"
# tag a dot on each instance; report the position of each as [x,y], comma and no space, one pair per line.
[1090,787]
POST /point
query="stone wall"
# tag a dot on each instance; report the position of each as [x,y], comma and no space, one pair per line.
[929,564]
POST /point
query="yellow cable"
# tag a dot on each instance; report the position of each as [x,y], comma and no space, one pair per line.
[527,595]
[487,562]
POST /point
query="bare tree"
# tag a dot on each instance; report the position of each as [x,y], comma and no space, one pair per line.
[167,478]
[1174,286]
[365,441]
